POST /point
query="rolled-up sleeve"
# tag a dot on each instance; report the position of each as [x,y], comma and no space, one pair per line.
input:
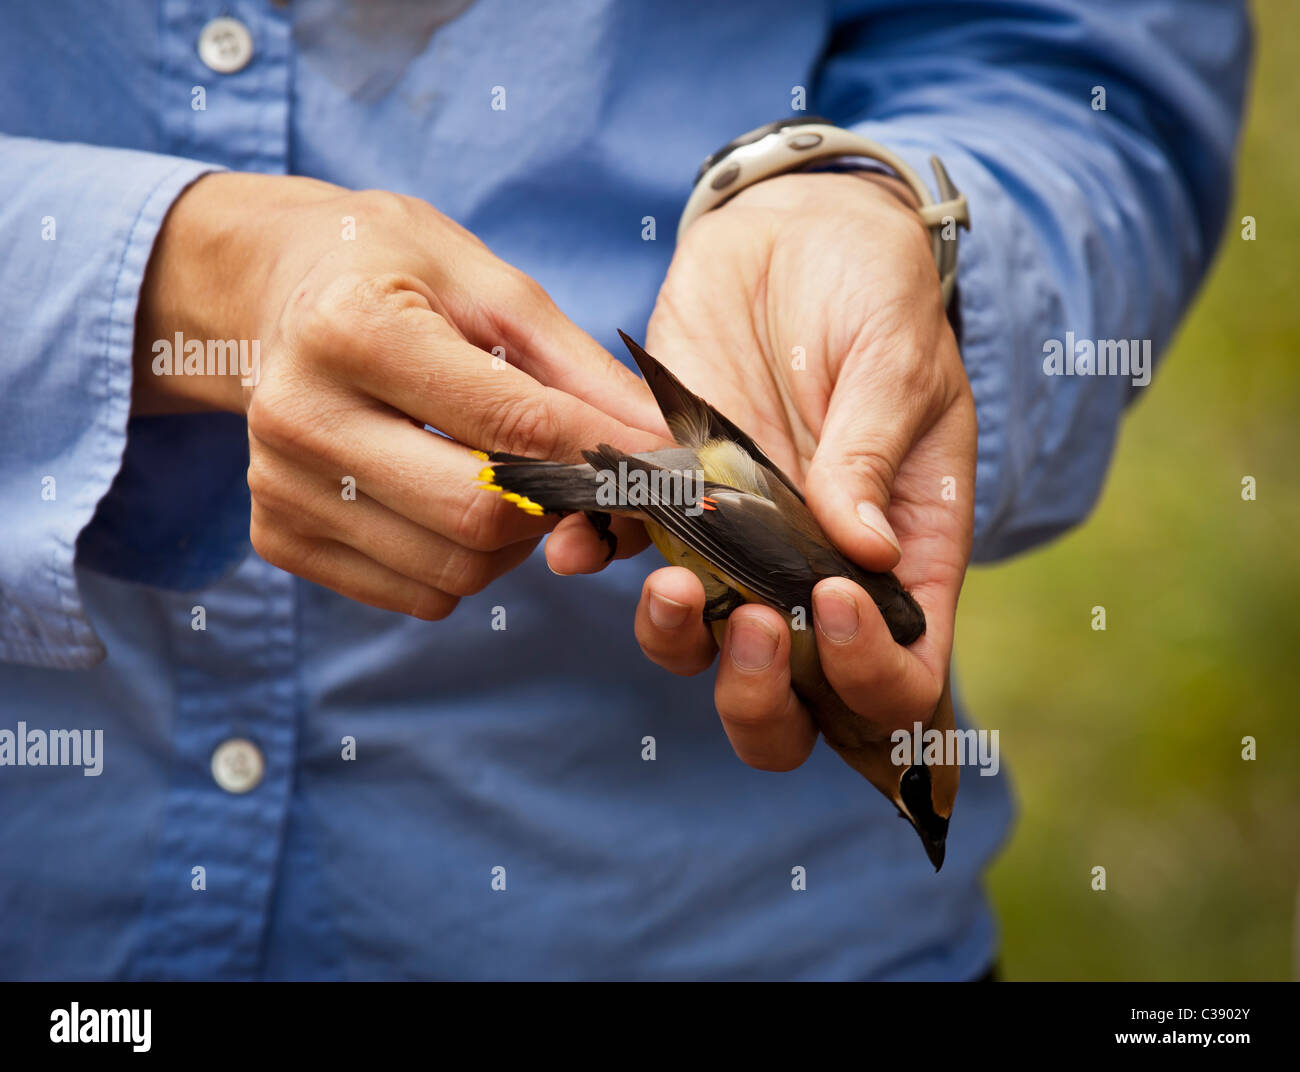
[1094,141]
[78,224]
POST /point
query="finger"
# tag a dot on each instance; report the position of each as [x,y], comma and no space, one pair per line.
[374,451]
[874,418]
[879,679]
[543,342]
[670,624]
[403,546]
[767,725]
[575,546]
[415,361]
[376,531]
[344,570]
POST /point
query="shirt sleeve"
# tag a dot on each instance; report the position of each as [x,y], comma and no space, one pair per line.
[1094,141]
[77,224]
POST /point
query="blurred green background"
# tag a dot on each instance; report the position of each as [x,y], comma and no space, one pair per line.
[1125,745]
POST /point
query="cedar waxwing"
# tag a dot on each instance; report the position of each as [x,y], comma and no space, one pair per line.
[717,505]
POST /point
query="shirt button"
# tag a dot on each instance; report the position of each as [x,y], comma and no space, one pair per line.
[225,45]
[237,765]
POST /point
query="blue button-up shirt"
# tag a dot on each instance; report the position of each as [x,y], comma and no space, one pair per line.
[454,799]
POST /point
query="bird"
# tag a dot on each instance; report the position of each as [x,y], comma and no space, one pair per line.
[718,505]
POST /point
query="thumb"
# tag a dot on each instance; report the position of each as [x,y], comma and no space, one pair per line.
[850,481]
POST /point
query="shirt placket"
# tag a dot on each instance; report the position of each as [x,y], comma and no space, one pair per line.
[234,740]
[224,86]
[225,82]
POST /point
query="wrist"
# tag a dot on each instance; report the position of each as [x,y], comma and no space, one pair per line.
[790,146]
[893,185]
[205,288]
[821,191]
[881,202]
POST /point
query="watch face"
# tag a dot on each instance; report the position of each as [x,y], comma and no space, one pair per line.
[757,134]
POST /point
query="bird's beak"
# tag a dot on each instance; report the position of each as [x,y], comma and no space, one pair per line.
[934,846]
[918,809]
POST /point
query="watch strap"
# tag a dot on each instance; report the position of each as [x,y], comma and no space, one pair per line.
[794,144]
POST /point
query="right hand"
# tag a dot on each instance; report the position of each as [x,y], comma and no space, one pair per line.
[363,342]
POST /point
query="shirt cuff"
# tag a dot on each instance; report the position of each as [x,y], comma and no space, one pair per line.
[73,293]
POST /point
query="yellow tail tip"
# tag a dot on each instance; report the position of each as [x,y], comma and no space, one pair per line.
[487,474]
[481,455]
[524,503]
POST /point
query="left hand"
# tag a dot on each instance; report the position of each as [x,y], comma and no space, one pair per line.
[808,310]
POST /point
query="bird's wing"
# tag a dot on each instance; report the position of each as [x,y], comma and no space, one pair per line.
[676,400]
[743,535]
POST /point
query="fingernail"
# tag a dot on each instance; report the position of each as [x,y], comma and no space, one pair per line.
[667,613]
[874,518]
[836,615]
[753,645]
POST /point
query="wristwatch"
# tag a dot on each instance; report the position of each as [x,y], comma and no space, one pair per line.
[794,144]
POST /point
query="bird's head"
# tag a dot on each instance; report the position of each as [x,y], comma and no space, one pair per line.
[918,805]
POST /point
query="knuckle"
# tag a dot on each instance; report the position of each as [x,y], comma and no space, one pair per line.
[272,492]
[272,543]
[525,291]
[873,467]
[264,422]
[348,312]
[526,425]
[431,605]
[745,712]
[262,485]
[268,489]
[920,380]
[465,572]
[375,298]
[317,320]
[479,526]
[384,207]
[277,419]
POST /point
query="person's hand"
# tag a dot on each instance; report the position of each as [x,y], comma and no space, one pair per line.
[808,310]
[377,315]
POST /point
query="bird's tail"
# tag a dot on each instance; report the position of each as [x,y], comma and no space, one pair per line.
[541,487]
